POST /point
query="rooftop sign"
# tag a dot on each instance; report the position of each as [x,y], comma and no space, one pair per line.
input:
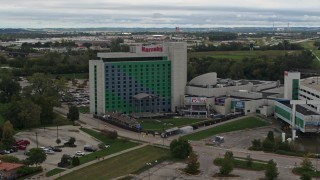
[152,48]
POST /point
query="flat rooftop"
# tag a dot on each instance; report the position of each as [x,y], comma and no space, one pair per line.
[311,82]
[300,109]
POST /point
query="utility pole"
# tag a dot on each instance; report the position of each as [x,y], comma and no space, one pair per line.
[57,132]
[37,139]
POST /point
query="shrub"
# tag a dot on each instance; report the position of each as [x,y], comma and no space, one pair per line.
[10,159]
[271,171]
[110,134]
[270,136]
[180,148]
[267,145]
[256,145]
[26,170]
[75,161]
[192,164]
[306,164]
[226,166]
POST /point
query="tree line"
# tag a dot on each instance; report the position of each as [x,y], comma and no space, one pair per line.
[263,68]
[237,46]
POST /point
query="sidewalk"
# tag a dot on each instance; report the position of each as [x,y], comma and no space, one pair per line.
[89,163]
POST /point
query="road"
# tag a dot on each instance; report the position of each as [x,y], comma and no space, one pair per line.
[285,163]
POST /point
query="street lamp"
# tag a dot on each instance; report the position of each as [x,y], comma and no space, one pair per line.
[163,134]
[37,139]
[149,164]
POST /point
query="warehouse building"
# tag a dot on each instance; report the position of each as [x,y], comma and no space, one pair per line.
[149,78]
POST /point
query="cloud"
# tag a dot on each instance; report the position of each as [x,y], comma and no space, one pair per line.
[164,13]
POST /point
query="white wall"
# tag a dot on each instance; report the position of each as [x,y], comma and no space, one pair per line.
[177,53]
[215,92]
[100,86]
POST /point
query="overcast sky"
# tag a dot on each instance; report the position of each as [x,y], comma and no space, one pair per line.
[157,13]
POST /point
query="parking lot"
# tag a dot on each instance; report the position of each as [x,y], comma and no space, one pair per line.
[242,139]
[47,137]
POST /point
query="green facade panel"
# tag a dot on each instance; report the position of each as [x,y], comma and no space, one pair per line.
[287,115]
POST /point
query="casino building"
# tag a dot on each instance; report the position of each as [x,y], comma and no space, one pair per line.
[147,79]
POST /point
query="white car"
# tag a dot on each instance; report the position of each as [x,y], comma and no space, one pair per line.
[47,151]
[80,153]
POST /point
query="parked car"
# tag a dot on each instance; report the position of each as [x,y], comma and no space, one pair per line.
[89,148]
[65,161]
[4,152]
[80,153]
[22,147]
[67,144]
[23,142]
[103,146]
[48,151]
[26,152]
[55,149]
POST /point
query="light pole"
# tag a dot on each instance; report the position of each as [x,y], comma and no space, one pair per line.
[163,134]
[37,139]
[149,164]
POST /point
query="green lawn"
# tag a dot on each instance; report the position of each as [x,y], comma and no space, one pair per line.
[242,164]
[310,45]
[300,171]
[84,109]
[54,172]
[157,124]
[238,55]
[245,123]
[116,145]
[121,165]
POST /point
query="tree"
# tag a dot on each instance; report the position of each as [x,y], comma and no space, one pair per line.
[305,176]
[7,134]
[192,164]
[271,172]
[75,161]
[180,148]
[270,136]
[306,164]
[44,91]
[72,140]
[227,164]
[58,141]
[73,114]
[36,156]
[8,87]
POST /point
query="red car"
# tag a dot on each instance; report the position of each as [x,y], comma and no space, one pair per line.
[22,147]
[23,142]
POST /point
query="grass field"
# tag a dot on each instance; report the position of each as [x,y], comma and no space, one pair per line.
[121,165]
[54,172]
[245,123]
[242,164]
[309,45]
[116,145]
[157,124]
[84,109]
[238,55]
